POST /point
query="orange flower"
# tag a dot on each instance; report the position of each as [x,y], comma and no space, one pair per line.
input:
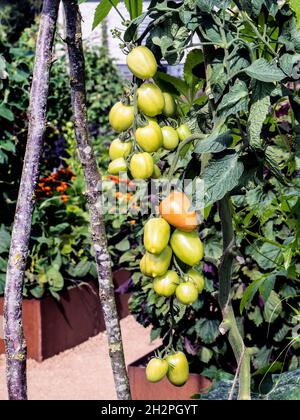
[128,196]
[64,198]
[132,222]
[118,195]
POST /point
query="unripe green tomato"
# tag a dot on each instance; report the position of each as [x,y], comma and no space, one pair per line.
[187,293]
[169,109]
[156,235]
[69,124]
[183,132]
[141,165]
[156,369]
[166,285]
[149,137]
[170,138]
[153,265]
[121,116]
[195,277]
[153,119]
[150,99]
[142,63]
[178,372]
[117,166]
[119,149]
[156,172]
[187,246]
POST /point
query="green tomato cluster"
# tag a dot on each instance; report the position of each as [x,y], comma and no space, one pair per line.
[149,136]
[160,244]
[175,366]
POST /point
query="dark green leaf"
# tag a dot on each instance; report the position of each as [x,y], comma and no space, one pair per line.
[221,176]
[214,143]
[265,71]
[102,11]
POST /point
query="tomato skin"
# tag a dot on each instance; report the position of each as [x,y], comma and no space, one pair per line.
[156,172]
[119,149]
[142,63]
[183,132]
[187,293]
[166,285]
[178,372]
[117,166]
[156,369]
[153,265]
[156,235]
[187,246]
[121,116]
[195,277]
[175,210]
[170,138]
[150,99]
[169,109]
[149,137]
[141,165]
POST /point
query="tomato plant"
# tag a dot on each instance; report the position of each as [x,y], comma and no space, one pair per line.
[242,67]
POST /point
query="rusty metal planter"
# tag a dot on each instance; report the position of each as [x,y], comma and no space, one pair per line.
[52,326]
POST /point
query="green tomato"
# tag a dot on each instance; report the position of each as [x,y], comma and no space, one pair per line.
[150,99]
[141,165]
[187,293]
[183,132]
[149,137]
[119,149]
[187,246]
[169,109]
[178,372]
[195,277]
[156,235]
[121,116]
[170,138]
[142,63]
[156,172]
[166,285]
[153,265]
[156,369]
[117,166]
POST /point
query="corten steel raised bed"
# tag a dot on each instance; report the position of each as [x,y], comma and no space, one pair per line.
[51,326]
[141,389]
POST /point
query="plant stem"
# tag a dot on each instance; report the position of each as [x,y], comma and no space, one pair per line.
[94,185]
[13,327]
[257,33]
[229,323]
[179,149]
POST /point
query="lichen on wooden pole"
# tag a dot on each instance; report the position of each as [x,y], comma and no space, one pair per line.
[93,194]
[13,329]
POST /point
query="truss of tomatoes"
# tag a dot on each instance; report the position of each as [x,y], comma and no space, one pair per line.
[175,231]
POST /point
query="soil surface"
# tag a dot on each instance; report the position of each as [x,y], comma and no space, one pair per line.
[83,373]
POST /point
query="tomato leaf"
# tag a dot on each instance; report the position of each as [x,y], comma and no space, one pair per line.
[265,71]
[102,11]
[295,6]
[214,143]
[134,7]
[220,177]
[177,83]
[193,59]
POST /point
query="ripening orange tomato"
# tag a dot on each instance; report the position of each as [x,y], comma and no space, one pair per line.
[175,210]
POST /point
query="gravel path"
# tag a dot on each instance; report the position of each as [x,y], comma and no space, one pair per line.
[84,372]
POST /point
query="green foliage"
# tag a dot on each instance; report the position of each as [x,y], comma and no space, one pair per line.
[60,249]
[239,89]
[285,386]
